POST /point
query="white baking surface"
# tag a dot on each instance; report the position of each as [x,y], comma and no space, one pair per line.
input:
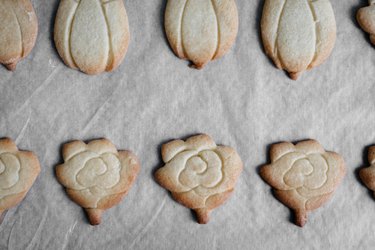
[242,101]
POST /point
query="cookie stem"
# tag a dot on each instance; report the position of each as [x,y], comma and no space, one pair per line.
[203,215]
[294,75]
[95,215]
[197,66]
[11,66]
[301,217]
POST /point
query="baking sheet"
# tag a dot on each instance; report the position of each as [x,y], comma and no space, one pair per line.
[242,100]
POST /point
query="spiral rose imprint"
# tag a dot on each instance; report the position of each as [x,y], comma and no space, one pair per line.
[18,171]
[304,175]
[199,174]
[96,175]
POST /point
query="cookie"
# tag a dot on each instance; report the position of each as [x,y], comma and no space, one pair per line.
[298,34]
[304,176]
[18,171]
[201,31]
[200,174]
[92,35]
[367,175]
[366,19]
[18,29]
[96,176]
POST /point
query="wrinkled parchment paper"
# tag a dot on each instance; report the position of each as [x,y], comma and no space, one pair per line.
[242,100]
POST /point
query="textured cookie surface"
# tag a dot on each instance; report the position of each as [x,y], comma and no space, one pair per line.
[18,171]
[200,174]
[298,34]
[18,31]
[201,30]
[368,174]
[304,176]
[92,35]
[96,176]
[366,19]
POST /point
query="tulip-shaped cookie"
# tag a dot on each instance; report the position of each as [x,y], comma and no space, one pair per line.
[298,34]
[366,19]
[18,31]
[18,171]
[201,30]
[368,174]
[96,176]
[304,176]
[92,35]
[200,174]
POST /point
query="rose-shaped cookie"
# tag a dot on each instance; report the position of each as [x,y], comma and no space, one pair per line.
[18,171]
[366,19]
[200,174]
[18,31]
[96,176]
[368,174]
[304,175]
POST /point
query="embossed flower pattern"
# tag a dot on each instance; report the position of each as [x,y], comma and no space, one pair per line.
[18,171]
[303,175]
[96,175]
[200,174]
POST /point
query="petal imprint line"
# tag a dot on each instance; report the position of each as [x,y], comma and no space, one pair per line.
[218,30]
[181,33]
[70,34]
[20,30]
[110,59]
[275,50]
[310,3]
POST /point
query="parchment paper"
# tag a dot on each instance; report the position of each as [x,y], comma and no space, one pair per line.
[242,100]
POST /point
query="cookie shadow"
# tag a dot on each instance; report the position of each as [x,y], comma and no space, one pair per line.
[365,165]
[163,7]
[51,28]
[258,17]
[353,16]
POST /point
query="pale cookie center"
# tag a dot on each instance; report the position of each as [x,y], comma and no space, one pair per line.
[309,172]
[103,172]
[196,164]
[295,177]
[202,170]
[9,168]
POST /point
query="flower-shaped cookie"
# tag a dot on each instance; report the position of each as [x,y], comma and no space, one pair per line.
[368,174]
[366,19]
[18,171]
[18,29]
[200,174]
[96,175]
[304,175]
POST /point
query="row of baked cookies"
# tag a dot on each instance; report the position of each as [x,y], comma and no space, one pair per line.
[200,174]
[93,35]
